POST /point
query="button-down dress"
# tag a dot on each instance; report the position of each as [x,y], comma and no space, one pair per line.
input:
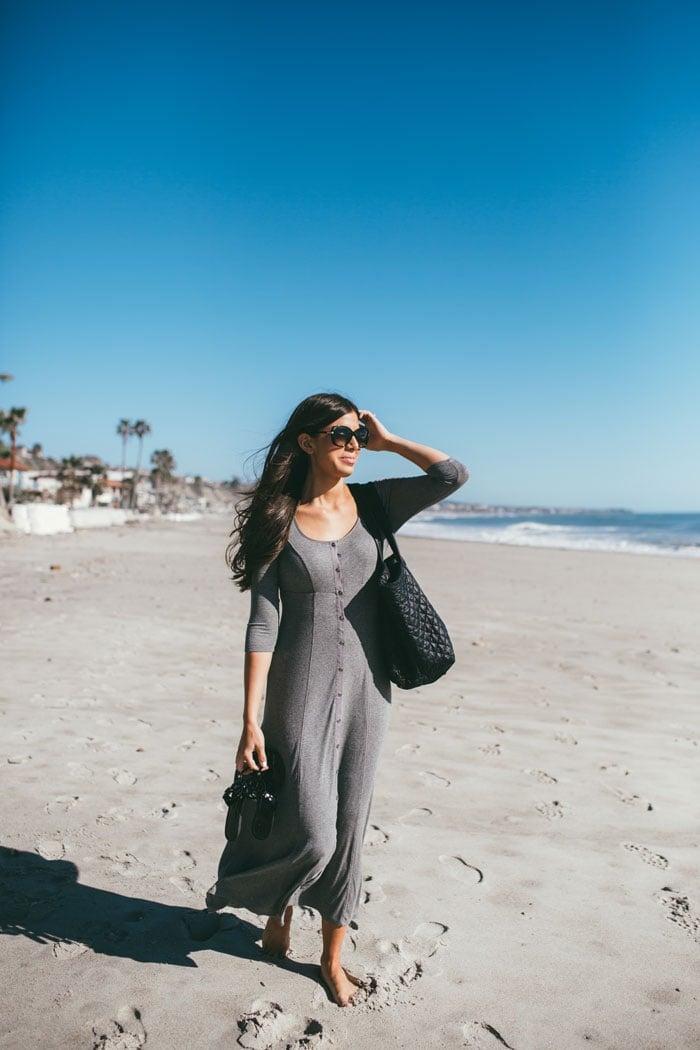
[326,712]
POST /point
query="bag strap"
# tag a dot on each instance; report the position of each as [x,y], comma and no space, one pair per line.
[370,506]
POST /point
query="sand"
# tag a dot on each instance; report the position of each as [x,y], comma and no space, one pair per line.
[531,868]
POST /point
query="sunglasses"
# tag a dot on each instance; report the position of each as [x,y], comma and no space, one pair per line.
[343,435]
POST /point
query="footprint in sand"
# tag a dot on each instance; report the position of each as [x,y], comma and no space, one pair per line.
[374,836]
[142,722]
[408,750]
[114,815]
[425,942]
[167,811]
[539,774]
[186,745]
[210,775]
[426,939]
[686,741]
[51,849]
[551,810]
[126,1032]
[458,869]
[266,1025]
[125,864]
[632,799]
[478,1035]
[493,728]
[680,911]
[615,769]
[68,949]
[18,760]
[123,776]
[416,817]
[182,883]
[93,743]
[61,804]
[373,892]
[308,920]
[490,749]
[434,779]
[565,738]
[184,861]
[655,859]
[402,965]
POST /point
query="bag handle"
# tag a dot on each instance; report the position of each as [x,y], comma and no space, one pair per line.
[369,503]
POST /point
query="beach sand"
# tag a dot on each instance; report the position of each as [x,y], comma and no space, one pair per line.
[531,867]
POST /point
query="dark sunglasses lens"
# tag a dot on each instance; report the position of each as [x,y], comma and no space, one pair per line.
[343,435]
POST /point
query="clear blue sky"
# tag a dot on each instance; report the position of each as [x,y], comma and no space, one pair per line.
[479,220]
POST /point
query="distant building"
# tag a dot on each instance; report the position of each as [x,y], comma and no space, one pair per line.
[18,475]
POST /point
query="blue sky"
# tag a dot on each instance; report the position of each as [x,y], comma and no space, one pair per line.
[481,221]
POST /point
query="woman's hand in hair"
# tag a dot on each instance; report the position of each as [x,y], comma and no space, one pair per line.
[251,746]
[379,437]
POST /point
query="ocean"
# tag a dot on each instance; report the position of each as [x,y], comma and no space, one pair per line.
[591,530]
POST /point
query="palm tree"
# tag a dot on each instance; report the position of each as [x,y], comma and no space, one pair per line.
[5,377]
[140,428]
[163,467]
[71,474]
[125,429]
[10,422]
[97,479]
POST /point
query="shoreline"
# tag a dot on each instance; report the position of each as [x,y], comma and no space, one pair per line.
[147,521]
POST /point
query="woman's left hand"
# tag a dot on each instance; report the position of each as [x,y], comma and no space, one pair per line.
[379,437]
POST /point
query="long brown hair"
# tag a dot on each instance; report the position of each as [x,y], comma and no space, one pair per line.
[264,516]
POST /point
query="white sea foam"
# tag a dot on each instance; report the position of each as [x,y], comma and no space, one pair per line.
[538,534]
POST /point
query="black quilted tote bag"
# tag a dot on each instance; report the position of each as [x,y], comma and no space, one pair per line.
[416,642]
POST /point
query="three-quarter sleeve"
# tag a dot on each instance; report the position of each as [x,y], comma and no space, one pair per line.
[404,497]
[263,622]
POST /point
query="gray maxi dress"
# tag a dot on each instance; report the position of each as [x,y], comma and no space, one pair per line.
[326,711]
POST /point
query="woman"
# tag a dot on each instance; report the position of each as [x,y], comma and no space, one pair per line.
[320,665]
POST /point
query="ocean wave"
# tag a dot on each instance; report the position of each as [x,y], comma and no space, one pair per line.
[537,534]
[534,527]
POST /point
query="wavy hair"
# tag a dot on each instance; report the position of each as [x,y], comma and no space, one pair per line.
[264,516]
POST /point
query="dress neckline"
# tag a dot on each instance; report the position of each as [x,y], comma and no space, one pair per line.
[312,539]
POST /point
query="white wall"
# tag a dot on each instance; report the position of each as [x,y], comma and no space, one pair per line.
[47,519]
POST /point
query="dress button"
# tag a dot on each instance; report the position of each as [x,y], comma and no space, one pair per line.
[340,594]
[333,543]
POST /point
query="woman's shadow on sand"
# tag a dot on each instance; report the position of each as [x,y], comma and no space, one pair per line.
[44,901]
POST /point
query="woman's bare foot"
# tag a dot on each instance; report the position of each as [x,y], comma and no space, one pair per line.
[277,935]
[341,984]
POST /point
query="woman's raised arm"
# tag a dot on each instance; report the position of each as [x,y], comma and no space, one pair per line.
[404,497]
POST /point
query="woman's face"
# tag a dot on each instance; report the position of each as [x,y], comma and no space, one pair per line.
[328,458]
